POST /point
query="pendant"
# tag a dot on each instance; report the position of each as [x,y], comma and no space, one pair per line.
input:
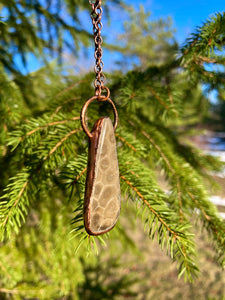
[102,194]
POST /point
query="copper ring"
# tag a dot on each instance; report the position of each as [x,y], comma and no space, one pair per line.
[102,97]
[84,109]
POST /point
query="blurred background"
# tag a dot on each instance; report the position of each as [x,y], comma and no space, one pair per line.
[44,40]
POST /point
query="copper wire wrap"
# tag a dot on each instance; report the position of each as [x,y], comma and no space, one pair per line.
[96,16]
[84,109]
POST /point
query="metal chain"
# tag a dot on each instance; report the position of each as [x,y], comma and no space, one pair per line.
[96,16]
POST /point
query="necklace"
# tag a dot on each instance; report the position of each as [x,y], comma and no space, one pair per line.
[102,191]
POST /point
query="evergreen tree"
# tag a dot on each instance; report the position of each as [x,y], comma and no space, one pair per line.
[44,157]
[145,42]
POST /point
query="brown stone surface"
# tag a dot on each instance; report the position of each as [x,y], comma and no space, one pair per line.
[104,193]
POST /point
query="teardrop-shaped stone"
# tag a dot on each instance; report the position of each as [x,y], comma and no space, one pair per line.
[102,195]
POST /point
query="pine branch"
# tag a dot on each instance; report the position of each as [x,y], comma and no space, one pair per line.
[149,206]
[201,49]
[213,223]
[48,125]
[34,129]
[160,219]
[61,142]
[202,204]
[158,98]
[15,209]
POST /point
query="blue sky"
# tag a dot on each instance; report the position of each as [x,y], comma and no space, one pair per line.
[186,15]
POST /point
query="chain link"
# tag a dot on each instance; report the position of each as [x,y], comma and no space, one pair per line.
[96,16]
